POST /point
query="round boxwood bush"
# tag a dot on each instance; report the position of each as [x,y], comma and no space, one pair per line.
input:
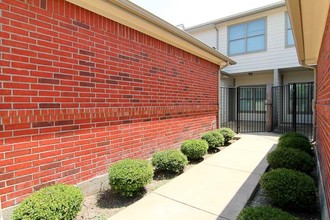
[227,133]
[128,177]
[291,158]
[214,139]
[293,134]
[296,143]
[194,149]
[289,189]
[169,160]
[52,202]
[264,212]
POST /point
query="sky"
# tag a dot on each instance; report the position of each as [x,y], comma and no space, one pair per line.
[193,12]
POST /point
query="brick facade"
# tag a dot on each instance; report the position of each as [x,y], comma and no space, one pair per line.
[323,109]
[79,92]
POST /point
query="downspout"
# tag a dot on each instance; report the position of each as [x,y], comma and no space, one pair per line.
[302,63]
[217,39]
[219,92]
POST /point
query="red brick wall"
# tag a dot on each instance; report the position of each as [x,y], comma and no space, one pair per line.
[323,109]
[79,92]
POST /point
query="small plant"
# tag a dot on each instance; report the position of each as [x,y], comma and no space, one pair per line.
[194,149]
[52,202]
[127,177]
[296,143]
[289,189]
[264,212]
[169,160]
[293,134]
[291,159]
[214,139]
[227,133]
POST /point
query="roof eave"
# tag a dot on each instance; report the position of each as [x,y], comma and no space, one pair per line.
[308,20]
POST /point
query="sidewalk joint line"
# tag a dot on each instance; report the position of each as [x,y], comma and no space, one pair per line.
[229,168]
[185,204]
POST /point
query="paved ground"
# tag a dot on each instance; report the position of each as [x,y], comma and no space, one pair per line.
[217,188]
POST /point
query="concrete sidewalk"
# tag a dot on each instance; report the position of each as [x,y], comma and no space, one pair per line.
[217,188]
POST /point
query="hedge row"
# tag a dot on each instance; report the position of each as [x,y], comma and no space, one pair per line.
[289,184]
[126,177]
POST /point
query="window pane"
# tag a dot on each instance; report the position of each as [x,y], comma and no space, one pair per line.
[256,28]
[287,21]
[246,105]
[290,38]
[260,93]
[256,43]
[237,46]
[260,105]
[246,93]
[236,32]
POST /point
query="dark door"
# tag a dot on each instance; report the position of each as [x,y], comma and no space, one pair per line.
[251,112]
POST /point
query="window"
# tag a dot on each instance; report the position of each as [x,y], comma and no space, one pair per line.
[304,97]
[252,99]
[289,36]
[247,37]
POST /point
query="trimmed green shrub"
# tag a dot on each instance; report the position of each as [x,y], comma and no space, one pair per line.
[52,203]
[227,133]
[291,158]
[293,134]
[289,189]
[169,160]
[296,143]
[264,212]
[213,138]
[194,149]
[127,177]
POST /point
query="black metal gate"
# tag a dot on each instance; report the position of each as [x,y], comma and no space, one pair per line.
[292,108]
[243,108]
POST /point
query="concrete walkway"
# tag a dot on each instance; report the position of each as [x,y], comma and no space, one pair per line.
[217,188]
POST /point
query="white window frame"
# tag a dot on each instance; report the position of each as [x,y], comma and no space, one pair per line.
[287,20]
[245,37]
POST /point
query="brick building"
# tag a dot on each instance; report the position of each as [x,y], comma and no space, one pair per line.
[313,49]
[86,83]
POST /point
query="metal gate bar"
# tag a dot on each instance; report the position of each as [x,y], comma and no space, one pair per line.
[292,108]
[248,104]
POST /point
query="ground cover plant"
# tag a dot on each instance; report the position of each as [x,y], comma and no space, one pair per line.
[214,139]
[291,158]
[171,160]
[289,189]
[227,133]
[194,149]
[293,134]
[52,203]
[296,143]
[264,212]
[128,177]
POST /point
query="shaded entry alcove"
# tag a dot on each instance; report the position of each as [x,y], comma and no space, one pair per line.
[243,109]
